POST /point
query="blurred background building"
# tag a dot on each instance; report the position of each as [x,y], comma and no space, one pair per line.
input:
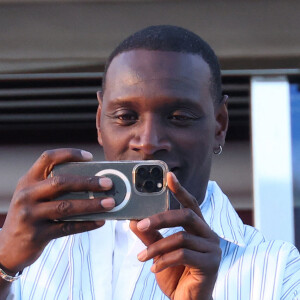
[52,55]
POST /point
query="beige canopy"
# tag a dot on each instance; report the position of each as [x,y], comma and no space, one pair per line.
[54,36]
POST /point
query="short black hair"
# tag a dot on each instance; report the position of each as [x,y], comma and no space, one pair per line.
[176,39]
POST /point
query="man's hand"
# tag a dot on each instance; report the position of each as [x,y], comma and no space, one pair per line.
[32,220]
[185,263]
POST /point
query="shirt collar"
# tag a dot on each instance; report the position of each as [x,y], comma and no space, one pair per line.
[221,216]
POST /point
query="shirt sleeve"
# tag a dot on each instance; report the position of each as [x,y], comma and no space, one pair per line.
[291,280]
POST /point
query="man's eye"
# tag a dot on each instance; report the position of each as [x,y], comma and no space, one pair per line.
[126,117]
[180,117]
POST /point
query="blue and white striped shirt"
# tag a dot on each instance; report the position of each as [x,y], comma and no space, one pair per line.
[102,264]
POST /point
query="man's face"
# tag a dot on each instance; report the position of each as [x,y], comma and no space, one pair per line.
[158,105]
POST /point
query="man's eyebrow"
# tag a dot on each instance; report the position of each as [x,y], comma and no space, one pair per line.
[168,101]
[123,102]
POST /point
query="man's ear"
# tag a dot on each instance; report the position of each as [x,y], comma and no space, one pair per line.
[221,118]
[98,117]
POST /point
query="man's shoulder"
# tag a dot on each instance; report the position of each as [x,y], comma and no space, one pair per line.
[265,267]
[276,251]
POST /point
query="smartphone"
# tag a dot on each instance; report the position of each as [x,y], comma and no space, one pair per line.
[139,187]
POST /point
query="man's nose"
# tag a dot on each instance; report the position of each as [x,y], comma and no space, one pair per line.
[150,137]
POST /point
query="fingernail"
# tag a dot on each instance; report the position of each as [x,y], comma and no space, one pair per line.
[100,222]
[108,203]
[142,255]
[143,225]
[105,182]
[86,155]
[153,268]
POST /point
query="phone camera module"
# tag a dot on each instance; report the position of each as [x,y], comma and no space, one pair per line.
[149,179]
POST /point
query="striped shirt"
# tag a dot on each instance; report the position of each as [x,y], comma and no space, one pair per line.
[102,264]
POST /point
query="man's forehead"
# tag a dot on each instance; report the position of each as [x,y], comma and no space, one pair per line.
[138,65]
[165,77]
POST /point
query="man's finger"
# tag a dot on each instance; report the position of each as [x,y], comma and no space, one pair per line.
[179,240]
[45,163]
[207,262]
[147,237]
[56,210]
[55,186]
[184,217]
[182,195]
[60,229]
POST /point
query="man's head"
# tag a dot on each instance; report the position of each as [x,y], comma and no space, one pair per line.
[174,39]
[159,104]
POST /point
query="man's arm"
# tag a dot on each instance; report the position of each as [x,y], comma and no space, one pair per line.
[32,219]
[186,263]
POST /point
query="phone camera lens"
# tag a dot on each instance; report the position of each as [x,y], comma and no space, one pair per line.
[142,172]
[149,186]
[156,172]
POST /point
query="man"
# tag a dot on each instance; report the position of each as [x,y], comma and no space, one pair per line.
[161,99]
